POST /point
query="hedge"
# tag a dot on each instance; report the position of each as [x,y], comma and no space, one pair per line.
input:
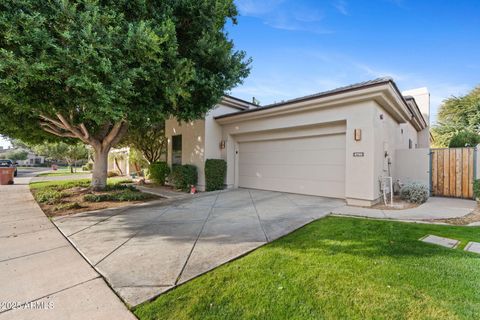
[184,176]
[215,172]
[158,172]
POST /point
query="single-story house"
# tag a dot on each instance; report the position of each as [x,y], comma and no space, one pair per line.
[339,143]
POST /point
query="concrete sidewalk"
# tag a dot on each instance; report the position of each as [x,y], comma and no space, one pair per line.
[42,276]
[434,208]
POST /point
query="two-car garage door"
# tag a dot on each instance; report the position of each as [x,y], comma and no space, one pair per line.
[308,165]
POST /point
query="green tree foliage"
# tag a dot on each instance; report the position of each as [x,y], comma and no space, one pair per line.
[70,153]
[15,155]
[149,139]
[457,114]
[464,139]
[89,69]
[137,160]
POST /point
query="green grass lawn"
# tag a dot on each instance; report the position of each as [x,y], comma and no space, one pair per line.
[62,172]
[66,184]
[337,268]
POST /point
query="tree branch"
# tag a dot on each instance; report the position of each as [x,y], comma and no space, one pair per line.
[119,129]
[70,127]
[85,132]
[50,129]
[55,122]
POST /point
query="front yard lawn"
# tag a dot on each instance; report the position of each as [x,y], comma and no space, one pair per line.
[337,268]
[72,196]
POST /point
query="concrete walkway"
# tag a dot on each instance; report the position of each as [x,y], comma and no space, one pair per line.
[146,250]
[40,270]
[434,208]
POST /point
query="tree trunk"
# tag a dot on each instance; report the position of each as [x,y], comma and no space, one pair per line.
[118,167]
[100,168]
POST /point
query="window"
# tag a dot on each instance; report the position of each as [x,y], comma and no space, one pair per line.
[177,150]
[410,143]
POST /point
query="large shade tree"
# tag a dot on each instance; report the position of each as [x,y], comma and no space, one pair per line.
[90,69]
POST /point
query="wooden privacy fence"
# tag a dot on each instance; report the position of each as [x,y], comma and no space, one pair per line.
[452,172]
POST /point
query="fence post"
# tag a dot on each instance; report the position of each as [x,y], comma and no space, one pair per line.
[430,171]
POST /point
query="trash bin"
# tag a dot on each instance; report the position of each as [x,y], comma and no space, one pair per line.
[6,175]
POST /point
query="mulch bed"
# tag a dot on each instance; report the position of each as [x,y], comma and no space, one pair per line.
[74,203]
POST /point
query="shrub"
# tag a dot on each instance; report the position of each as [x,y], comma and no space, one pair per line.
[49,196]
[415,193]
[125,195]
[182,177]
[158,172]
[215,172]
[68,206]
[476,189]
[112,174]
[119,187]
[464,138]
[88,167]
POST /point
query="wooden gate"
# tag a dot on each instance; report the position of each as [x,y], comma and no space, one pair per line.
[452,172]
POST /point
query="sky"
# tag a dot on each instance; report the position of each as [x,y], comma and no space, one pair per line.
[300,47]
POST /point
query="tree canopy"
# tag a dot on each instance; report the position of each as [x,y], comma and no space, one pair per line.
[60,151]
[149,139]
[458,117]
[89,69]
[15,155]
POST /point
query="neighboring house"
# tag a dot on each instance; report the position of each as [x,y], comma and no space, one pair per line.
[118,161]
[338,143]
[32,158]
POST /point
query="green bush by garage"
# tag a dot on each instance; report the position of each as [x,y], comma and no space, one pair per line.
[215,172]
[183,176]
[158,172]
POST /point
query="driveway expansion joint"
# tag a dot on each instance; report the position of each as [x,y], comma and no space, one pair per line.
[196,240]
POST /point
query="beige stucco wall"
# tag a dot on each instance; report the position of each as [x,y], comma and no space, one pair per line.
[193,144]
[390,136]
[200,140]
[422,99]
[413,166]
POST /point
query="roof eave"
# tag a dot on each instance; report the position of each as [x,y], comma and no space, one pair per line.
[383,93]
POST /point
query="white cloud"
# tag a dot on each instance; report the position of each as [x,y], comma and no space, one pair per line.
[256,8]
[379,73]
[341,6]
[285,15]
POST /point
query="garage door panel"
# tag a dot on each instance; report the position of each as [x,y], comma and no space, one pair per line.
[302,157]
[327,172]
[309,165]
[333,189]
[310,143]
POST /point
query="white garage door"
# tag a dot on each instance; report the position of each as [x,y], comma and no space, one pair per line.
[309,165]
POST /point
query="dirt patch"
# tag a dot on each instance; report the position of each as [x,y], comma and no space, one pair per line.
[398,204]
[474,216]
[74,203]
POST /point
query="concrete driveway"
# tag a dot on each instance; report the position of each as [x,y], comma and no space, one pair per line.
[145,250]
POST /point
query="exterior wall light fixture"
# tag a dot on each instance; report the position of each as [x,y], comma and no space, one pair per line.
[357,134]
